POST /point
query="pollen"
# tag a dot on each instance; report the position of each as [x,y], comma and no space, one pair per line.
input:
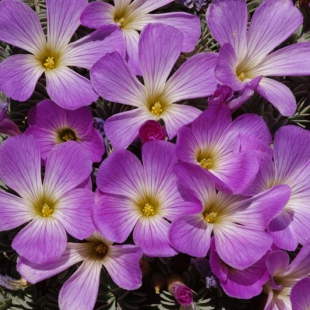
[157,108]
[148,210]
[120,21]
[46,210]
[241,76]
[68,136]
[210,217]
[101,249]
[49,63]
[205,163]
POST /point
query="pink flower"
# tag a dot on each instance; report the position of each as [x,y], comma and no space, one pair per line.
[181,293]
[150,131]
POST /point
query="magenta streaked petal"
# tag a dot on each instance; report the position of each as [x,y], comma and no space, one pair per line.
[279,95]
[121,129]
[14,211]
[81,290]
[35,273]
[300,297]
[20,166]
[178,115]
[225,70]
[188,24]
[88,50]
[67,166]
[194,79]
[132,41]
[20,26]
[113,80]
[98,14]
[122,264]
[115,217]
[19,75]
[247,143]
[63,18]
[146,6]
[157,60]
[186,145]
[151,234]
[191,235]
[232,241]
[94,143]
[227,21]
[42,241]
[69,89]
[277,262]
[272,23]
[74,213]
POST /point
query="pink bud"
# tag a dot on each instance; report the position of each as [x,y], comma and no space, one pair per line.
[151,130]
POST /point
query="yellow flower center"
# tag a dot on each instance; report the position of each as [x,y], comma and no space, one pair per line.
[66,135]
[47,211]
[120,21]
[148,210]
[205,163]
[206,159]
[101,249]
[241,76]
[157,108]
[210,217]
[49,63]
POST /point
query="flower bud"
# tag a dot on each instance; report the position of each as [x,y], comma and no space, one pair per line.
[151,130]
[180,292]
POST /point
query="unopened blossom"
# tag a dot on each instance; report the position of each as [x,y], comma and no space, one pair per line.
[80,291]
[159,48]
[290,165]
[52,125]
[283,276]
[300,297]
[182,293]
[150,131]
[140,198]
[131,17]
[52,55]
[246,55]
[7,126]
[237,223]
[225,149]
[50,209]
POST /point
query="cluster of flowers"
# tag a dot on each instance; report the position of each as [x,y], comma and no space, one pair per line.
[220,190]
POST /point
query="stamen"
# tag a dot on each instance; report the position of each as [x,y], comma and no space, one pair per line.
[205,163]
[49,63]
[120,21]
[101,249]
[241,76]
[68,136]
[210,217]
[148,210]
[157,108]
[46,210]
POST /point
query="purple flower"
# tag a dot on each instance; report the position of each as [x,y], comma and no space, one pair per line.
[20,26]
[150,131]
[140,198]
[245,55]
[159,48]
[225,149]
[284,275]
[181,293]
[52,125]
[132,17]
[291,166]
[7,126]
[81,289]
[52,208]
[300,297]
[237,222]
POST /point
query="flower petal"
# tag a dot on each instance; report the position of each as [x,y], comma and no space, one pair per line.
[19,75]
[272,23]
[69,89]
[279,95]
[227,21]
[63,18]
[188,24]
[87,51]
[113,80]
[67,166]
[42,241]
[151,234]
[122,264]
[81,290]
[277,262]
[13,211]
[146,6]
[132,41]
[74,213]
[98,14]
[20,26]
[35,273]
[194,79]
[20,166]
[300,297]
[159,48]
[121,129]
